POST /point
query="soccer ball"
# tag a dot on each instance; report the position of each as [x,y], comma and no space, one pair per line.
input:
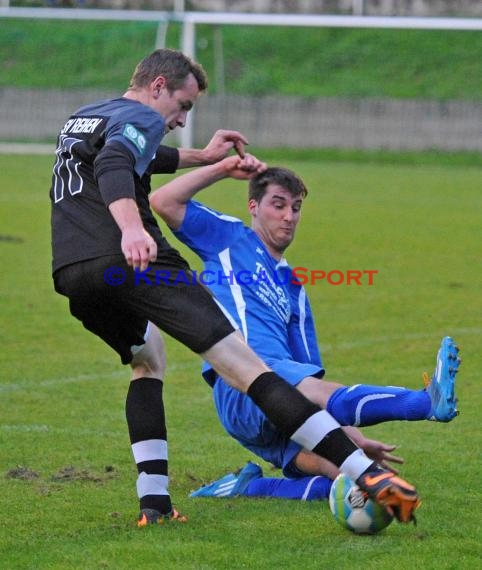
[353,510]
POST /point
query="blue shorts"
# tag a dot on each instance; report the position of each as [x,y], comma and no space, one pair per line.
[246,423]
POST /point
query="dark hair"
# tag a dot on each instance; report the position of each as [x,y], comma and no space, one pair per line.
[283,177]
[171,64]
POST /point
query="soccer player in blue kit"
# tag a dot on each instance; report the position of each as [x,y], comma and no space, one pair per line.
[245,268]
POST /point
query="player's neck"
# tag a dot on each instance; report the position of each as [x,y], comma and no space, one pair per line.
[136,95]
[275,253]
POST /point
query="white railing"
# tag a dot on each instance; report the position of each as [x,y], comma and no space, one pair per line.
[189,20]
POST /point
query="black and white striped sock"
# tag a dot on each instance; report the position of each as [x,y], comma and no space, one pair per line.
[307,424]
[148,435]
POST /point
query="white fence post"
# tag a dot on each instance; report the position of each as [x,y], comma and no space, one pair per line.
[188,48]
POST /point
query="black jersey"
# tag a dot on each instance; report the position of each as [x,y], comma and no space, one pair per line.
[82,226]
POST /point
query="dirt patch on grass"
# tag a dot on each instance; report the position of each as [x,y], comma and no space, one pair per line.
[66,474]
[72,473]
[23,473]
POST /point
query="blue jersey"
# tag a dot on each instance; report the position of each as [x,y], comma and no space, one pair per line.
[82,225]
[271,309]
[267,302]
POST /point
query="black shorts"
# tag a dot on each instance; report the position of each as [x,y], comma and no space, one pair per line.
[115,302]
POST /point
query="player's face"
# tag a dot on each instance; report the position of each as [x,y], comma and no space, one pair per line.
[275,218]
[174,106]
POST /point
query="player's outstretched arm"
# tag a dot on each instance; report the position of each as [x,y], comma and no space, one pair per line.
[376,450]
[170,200]
[222,142]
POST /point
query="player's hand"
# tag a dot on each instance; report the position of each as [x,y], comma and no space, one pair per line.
[138,248]
[244,168]
[381,453]
[221,144]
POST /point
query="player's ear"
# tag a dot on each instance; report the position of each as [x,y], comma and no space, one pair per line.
[252,206]
[157,85]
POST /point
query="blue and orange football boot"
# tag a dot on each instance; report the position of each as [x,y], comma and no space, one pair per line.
[398,497]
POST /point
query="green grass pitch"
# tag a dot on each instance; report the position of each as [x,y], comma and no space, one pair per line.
[67,480]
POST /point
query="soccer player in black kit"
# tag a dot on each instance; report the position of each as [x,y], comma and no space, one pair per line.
[104,234]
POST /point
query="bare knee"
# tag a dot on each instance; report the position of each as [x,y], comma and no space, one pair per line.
[150,360]
[318,391]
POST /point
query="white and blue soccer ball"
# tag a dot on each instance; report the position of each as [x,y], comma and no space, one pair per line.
[353,510]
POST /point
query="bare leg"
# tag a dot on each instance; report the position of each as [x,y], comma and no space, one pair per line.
[150,360]
[312,464]
[318,391]
[235,362]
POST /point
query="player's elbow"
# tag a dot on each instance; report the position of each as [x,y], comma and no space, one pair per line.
[160,204]
[170,211]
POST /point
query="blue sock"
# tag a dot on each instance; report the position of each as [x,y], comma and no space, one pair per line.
[364,405]
[304,489]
